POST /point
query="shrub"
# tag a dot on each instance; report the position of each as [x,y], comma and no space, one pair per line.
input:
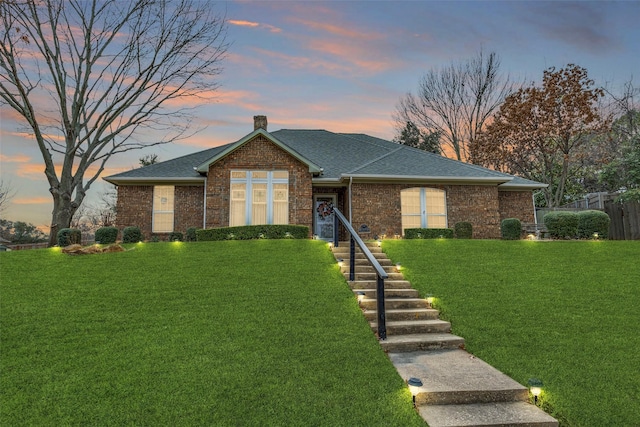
[69,236]
[131,235]
[463,230]
[249,232]
[191,234]
[511,229]
[106,235]
[561,225]
[428,233]
[591,222]
[176,236]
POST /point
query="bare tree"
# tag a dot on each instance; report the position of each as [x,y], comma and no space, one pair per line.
[455,102]
[95,78]
[6,194]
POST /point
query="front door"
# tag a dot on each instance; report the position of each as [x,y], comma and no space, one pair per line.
[323,216]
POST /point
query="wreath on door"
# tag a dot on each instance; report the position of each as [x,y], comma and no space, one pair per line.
[324,210]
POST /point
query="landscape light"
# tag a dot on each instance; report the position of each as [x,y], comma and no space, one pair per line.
[531,237]
[361,296]
[429,300]
[596,235]
[398,266]
[330,245]
[340,262]
[379,243]
[414,387]
[535,387]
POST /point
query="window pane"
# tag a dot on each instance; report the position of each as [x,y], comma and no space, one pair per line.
[435,201]
[410,201]
[281,174]
[280,192]
[259,204]
[163,201]
[259,175]
[411,221]
[237,216]
[436,221]
[238,174]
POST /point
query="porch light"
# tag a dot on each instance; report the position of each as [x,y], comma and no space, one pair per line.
[535,387]
[429,299]
[414,387]
[340,262]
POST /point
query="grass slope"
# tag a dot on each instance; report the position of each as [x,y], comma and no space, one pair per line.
[212,333]
[565,312]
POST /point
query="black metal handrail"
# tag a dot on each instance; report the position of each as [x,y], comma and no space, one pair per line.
[380,273]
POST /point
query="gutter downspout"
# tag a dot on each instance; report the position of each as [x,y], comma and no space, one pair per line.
[350,182]
[204,213]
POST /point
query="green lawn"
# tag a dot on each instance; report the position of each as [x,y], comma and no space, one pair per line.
[567,313]
[252,333]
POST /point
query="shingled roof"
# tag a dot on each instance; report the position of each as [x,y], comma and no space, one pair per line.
[341,156]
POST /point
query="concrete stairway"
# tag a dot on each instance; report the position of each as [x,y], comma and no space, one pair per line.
[458,388]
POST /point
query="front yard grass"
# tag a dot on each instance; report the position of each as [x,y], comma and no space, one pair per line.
[567,313]
[231,333]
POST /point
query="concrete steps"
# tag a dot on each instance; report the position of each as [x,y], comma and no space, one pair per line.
[458,389]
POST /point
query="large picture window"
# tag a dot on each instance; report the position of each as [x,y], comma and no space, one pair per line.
[423,208]
[163,207]
[259,197]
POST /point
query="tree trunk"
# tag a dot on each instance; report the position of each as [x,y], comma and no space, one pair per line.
[61,216]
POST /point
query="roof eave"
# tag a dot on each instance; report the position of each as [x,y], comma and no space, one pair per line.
[509,186]
[138,180]
[429,179]
[204,167]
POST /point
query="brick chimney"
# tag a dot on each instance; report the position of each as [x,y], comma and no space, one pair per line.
[259,122]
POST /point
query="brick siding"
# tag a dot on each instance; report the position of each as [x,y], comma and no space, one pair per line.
[259,154]
[135,208]
[516,204]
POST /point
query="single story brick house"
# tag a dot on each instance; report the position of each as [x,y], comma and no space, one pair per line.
[295,176]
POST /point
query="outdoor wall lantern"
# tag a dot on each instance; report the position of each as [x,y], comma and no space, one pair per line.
[535,387]
[340,262]
[429,300]
[414,387]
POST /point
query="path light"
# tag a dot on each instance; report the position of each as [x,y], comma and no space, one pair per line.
[596,236]
[429,300]
[414,387]
[398,266]
[340,262]
[379,243]
[330,245]
[531,237]
[535,387]
[361,296]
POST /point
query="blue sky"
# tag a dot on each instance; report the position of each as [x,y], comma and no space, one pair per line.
[342,66]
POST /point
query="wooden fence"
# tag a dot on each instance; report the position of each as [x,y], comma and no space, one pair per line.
[625,220]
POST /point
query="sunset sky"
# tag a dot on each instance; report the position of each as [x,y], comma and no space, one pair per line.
[342,66]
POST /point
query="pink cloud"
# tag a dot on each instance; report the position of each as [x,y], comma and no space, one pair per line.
[20,158]
[250,24]
[32,201]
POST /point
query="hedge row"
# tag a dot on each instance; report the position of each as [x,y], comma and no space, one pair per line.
[428,233]
[582,225]
[249,232]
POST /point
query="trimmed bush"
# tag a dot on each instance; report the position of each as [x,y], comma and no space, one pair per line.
[428,233]
[176,236]
[106,235]
[591,222]
[511,229]
[463,230]
[131,235]
[69,236]
[250,232]
[561,224]
[191,234]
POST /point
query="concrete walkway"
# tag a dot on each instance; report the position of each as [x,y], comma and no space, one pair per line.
[458,388]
